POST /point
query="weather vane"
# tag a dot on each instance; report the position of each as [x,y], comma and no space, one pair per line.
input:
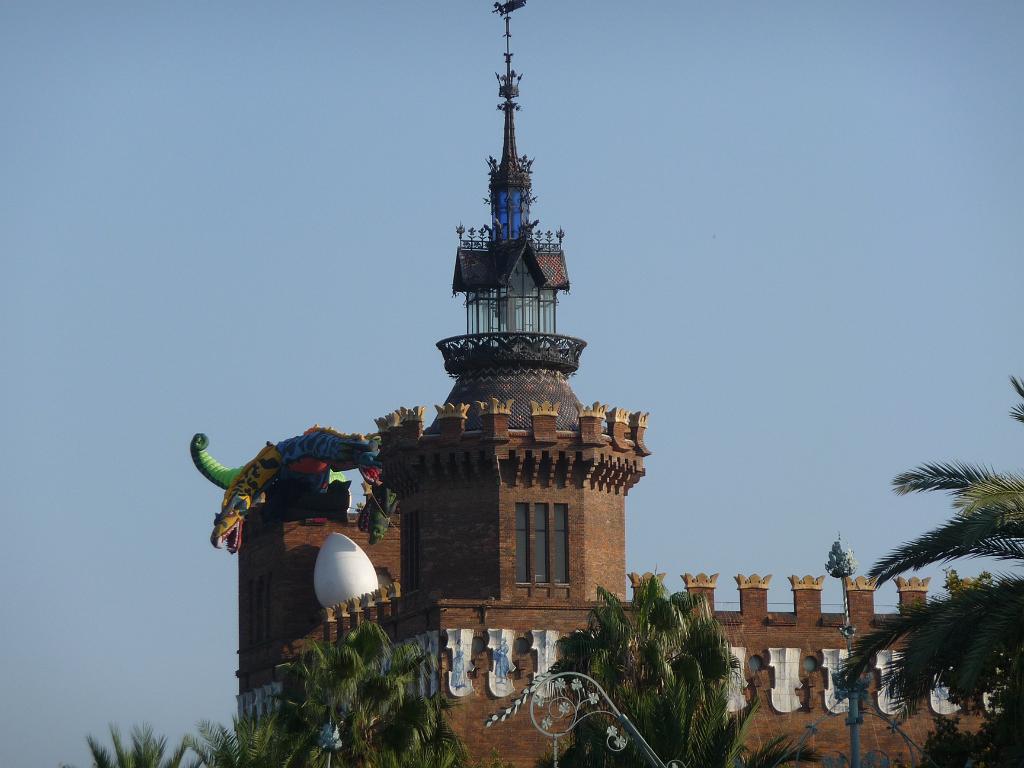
[506,8]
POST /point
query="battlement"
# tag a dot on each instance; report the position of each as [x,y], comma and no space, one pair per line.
[805,592]
[605,450]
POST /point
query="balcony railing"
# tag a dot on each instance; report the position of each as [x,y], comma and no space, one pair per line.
[525,350]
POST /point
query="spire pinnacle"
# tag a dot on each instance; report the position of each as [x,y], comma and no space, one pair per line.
[510,178]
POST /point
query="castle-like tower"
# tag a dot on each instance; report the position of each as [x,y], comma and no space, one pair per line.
[512,514]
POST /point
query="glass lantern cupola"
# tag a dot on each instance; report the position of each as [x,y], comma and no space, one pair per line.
[509,271]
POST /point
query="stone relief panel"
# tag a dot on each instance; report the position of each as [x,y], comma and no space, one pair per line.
[833,662]
[737,681]
[545,645]
[939,699]
[460,651]
[499,678]
[428,643]
[883,660]
[786,663]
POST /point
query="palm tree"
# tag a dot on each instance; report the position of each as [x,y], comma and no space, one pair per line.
[369,689]
[957,639]
[249,743]
[145,751]
[666,663]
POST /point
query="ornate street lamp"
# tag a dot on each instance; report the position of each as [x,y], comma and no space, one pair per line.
[564,700]
[329,740]
[842,565]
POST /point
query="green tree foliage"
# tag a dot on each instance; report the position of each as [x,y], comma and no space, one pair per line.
[369,689]
[665,662]
[145,750]
[250,743]
[972,639]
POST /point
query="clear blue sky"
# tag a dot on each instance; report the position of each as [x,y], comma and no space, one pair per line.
[794,234]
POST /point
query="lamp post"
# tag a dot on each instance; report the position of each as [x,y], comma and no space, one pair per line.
[842,565]
[329,740]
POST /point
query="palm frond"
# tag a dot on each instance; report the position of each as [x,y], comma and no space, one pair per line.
[982,533]
[940,476]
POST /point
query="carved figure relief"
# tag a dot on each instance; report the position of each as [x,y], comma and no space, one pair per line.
[499,679]
[833,662]
[545,645]
[737,681]
[460,649]
[786,663]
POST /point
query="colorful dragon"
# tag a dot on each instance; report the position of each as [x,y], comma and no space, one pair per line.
[315,459]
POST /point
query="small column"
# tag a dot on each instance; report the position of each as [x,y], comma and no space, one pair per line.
[543,417]
[452,419]
[412,421]
[702,584]
[807,598]
[860,591]
[913,590]
[591,418]
[494,417]
[618,427]
[637,428]
[753,595]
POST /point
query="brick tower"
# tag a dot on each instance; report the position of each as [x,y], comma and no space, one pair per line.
[513,497]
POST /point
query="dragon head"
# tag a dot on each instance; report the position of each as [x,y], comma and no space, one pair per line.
[227,525]
[368,463]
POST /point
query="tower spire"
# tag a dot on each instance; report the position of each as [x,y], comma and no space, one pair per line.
[510,178]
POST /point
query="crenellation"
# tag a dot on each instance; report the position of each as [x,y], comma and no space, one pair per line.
[913,590]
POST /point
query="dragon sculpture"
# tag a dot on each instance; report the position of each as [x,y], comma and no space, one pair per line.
[314,459]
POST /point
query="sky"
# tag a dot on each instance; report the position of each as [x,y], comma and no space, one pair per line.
[794,236]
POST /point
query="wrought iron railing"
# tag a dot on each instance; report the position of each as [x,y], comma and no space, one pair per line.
[473,239]
[530,350]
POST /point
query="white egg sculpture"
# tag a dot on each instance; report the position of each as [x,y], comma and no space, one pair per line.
[342,571]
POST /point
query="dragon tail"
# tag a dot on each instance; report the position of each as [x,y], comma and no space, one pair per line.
[208,466]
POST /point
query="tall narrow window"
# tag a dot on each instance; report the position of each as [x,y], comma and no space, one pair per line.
[522,542]
[560,561]
[540,533]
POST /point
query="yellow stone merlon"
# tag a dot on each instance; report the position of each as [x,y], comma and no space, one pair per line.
[495,406]
[543,409]
[806,582]
[452,410]
[753,581]
[597,409]
[700,580]
[913,584]
[636,579]
[328,615]
[638,419]
[415,413]
[860,584]
[619,415]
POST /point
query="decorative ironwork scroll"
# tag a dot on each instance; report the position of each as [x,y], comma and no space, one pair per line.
[534,350]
